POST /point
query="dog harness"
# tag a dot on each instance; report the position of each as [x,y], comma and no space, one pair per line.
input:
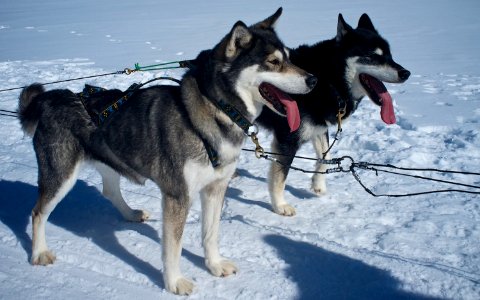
[99,117]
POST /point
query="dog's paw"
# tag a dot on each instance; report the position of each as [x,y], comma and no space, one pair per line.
[44,258]
[222,268]
[285,210]
[319,186]
[138,215]
[319,191]
[181,286]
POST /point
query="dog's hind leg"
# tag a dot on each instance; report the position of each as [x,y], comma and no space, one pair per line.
[212,202]
[320,144]
[278,175]
[175,210]
[111,191]
[53,185]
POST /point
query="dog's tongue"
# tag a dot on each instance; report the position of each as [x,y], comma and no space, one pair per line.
[290,105]
[293,115]
[387,113]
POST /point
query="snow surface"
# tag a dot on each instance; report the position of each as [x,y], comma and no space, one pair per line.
[345,244]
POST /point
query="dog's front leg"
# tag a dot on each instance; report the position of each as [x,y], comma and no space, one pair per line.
[278,176]
[212,201]
[175,212]
[320,144]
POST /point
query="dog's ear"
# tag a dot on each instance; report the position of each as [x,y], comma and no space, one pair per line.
[342,28]
[270,22]
[365,23]
[239,38]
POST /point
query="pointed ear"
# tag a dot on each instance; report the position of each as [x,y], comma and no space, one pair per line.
[365,23]
[342,28]
[270,22]
[238,38]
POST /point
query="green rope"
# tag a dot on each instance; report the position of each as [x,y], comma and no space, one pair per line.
[142,69]
[161,66]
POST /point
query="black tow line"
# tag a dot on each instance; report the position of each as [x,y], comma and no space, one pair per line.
[67,80]
[127,71]
[347,164]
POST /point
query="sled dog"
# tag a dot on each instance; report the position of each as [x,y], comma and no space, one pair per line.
[349,66]
[166,134]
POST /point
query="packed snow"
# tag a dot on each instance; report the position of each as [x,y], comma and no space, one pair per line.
[342,245]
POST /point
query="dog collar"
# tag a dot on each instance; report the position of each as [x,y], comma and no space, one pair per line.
[233,114]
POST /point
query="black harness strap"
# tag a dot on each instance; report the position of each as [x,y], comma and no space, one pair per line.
[101,117]
[88,91]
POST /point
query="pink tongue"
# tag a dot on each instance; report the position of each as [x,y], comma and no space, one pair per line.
[293,115]
[387,113]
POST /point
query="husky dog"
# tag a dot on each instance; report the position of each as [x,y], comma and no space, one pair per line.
[348,67]
[165,134]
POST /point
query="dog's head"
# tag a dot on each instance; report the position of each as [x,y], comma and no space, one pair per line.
[369,62]
[255,64]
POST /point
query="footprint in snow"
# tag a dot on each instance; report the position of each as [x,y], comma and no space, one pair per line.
[441,103]
[76,33]
[111,39]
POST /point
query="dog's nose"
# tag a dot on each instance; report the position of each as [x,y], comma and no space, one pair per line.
[403,74]
[311,81]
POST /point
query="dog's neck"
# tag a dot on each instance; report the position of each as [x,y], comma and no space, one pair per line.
[330,69]
[215,128]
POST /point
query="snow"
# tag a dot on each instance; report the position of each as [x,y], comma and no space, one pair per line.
[345,244]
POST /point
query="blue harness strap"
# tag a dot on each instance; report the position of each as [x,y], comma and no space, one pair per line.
[100,117]
[114,107]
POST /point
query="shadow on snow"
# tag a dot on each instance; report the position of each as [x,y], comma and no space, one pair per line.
[84,212]
[320,274]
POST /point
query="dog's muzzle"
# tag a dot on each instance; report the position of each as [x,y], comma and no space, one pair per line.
[403,74]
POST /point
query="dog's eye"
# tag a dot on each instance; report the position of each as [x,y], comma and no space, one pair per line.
[274,61]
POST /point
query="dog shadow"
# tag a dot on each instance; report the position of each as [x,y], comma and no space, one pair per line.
[296,192]
[86,213]
[320,274]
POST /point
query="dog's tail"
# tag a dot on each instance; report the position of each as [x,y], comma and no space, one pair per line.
[28,112]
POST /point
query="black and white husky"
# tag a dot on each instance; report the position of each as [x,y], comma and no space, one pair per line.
[165,134]
[348,67]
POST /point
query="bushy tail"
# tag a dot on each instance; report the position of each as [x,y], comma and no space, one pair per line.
[28,112]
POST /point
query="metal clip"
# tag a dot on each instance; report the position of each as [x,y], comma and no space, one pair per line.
[352,162]
[259,152]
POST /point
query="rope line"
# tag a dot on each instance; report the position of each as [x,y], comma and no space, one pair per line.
[67,80]
[371,167]
[8,113]
[161,66]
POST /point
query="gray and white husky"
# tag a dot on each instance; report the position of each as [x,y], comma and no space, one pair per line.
[164,133]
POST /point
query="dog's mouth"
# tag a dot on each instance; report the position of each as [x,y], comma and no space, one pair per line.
[282,103]
[379,94]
